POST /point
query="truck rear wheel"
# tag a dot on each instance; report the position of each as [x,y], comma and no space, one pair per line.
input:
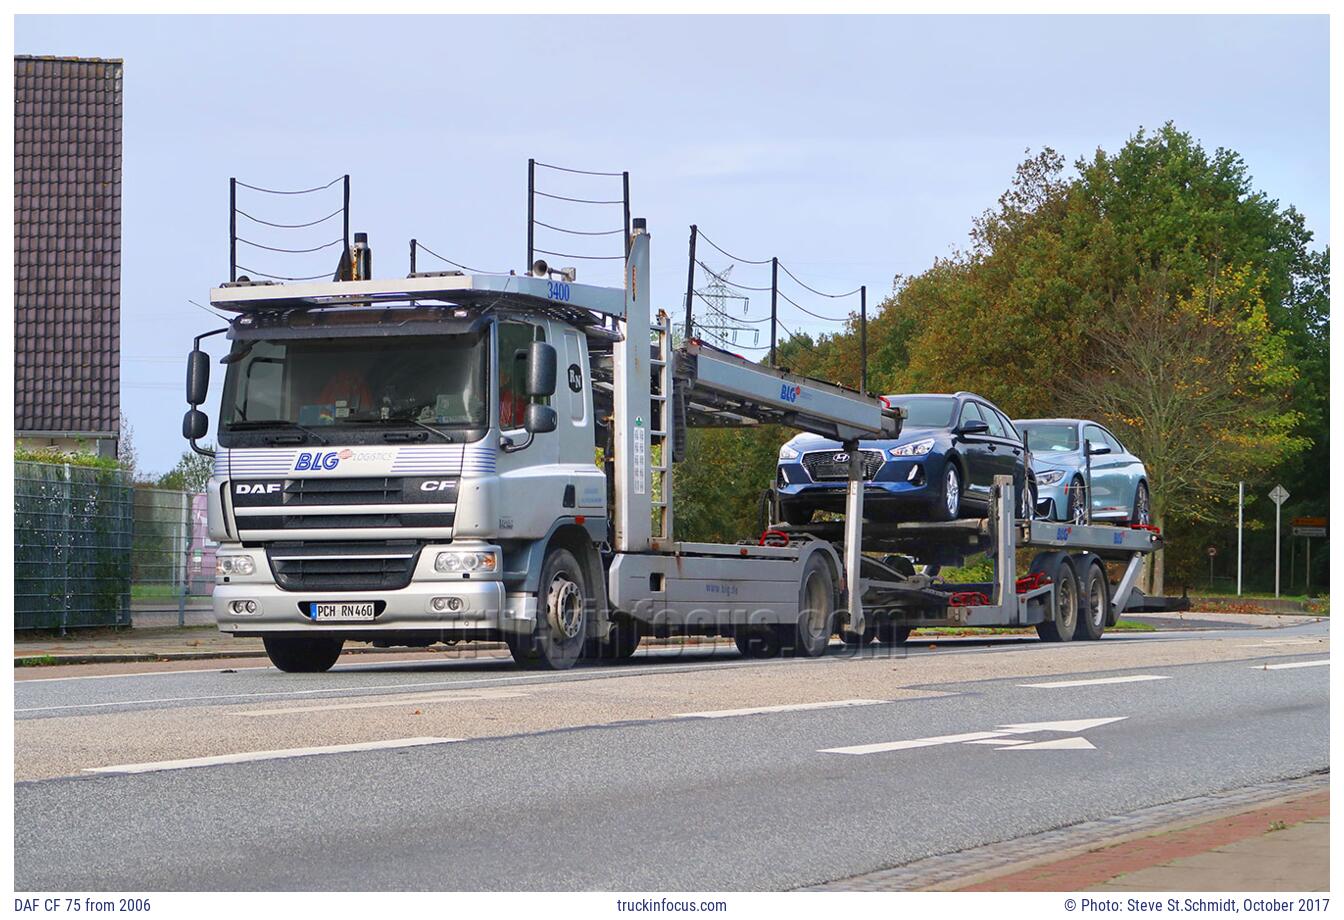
[811,635]
[757,642]
[888,633]
[558,637]
[303,654]
[1096,600]
[1064,599]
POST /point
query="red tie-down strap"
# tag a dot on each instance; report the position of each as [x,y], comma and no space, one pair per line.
[1032,582]
[967,599]
[773,538]
[1151,528]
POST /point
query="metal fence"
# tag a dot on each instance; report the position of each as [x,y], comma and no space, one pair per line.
[91,548]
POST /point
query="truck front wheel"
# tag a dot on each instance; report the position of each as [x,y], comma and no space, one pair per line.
[303,654]
[557,638]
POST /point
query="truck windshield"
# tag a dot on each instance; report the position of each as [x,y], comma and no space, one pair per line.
[1045,439]
[433,380]
[925,411]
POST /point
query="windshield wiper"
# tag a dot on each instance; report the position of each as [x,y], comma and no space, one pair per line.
[397,421]
[255,424]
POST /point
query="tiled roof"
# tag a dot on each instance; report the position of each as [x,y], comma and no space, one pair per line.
[67,241]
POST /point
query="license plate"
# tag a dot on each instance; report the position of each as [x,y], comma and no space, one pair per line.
[356,611]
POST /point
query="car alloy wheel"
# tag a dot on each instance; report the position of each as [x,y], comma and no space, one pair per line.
[1077,502]
[952,491]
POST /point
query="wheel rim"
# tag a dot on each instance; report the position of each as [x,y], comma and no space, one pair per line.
[1067,613]
[953,491]
[1077,499]
[814,594]
[1027,503]
[1096,601]
[564,606]
[1142,502]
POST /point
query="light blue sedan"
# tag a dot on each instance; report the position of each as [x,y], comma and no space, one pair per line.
[1119,486]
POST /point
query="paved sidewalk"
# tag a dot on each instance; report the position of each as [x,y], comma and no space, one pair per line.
[1280,847]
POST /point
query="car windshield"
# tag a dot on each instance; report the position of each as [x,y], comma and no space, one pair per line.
[926,411]
[431,380]
[1044,439]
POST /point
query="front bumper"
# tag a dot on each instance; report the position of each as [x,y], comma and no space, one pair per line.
[900,482]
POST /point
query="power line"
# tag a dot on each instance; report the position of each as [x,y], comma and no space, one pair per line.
[474,271]
[700,234]
[814,290]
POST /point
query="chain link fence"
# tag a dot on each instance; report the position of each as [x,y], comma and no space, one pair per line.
[91,548]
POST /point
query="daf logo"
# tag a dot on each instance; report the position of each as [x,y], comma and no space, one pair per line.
[256,488]
[841,458]
[441,485]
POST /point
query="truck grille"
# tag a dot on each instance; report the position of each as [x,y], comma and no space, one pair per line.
[340,521]
[264,506]
[308,566]
[833,465]
[343,491]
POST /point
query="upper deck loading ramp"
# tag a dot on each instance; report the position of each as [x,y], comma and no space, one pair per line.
[718,387]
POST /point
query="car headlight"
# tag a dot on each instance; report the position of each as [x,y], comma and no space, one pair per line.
[913,449]
[235,565]
[455,561]
[788,453]
[1049,477]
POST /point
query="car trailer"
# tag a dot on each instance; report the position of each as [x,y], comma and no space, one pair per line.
[1067,593]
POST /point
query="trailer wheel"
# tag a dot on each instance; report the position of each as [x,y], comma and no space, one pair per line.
[557,640]
[811,635]
[1064,599]
[854,640]
[303,654]
[1096,599]
[757,642]
[888,633]
[619,644]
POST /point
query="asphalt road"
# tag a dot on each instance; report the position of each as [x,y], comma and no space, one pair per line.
[614,778]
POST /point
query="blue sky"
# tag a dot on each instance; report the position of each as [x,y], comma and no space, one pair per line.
[854,148]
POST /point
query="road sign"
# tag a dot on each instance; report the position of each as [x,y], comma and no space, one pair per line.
[1212,551]
[1279,495]
[1299,531]
[1309,522]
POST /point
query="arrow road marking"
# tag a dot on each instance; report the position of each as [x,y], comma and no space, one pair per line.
[1130,679]
[1000,737]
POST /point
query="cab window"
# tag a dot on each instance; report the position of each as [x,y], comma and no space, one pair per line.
[514,339]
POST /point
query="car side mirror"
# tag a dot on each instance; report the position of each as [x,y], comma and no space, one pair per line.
[974,426]
[539,419]
[1095,449]
[198,376]
[195,424]
[541,370]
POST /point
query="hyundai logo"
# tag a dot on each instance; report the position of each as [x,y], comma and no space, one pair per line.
[841,458]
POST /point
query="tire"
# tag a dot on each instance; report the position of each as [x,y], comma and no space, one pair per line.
[889,633]
[947,507]
[757,642]
[1064,599]
[854,640]
[1096,600]
[620,643]
[558,638]
[1026,506]
[796,515]
[1075,509]
[811,634]
[1141,512]
[303,654]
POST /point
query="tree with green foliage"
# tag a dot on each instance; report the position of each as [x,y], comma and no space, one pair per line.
[191,474]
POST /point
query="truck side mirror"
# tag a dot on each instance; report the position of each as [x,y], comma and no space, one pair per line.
[541,370]
[540,419]
[195,424]
[198,376]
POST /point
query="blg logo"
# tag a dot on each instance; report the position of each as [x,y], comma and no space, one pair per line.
[319,460]
[789,392]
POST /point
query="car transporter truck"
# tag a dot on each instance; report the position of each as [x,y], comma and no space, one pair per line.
[397,465]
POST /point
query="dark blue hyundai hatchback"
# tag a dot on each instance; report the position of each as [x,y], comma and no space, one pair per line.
[940,468]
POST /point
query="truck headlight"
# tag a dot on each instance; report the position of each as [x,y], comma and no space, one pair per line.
[788,453]
[1049,477]
[913,449]
[453,561]
[235,565]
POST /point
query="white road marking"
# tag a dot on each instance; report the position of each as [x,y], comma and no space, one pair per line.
[1076,743]
[218,670]
[1290,664]
[250,756]
[1002,743]
[914,743]
[791,707]
[422,699]
[1131,679]
[1279,642]
[1071,725]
